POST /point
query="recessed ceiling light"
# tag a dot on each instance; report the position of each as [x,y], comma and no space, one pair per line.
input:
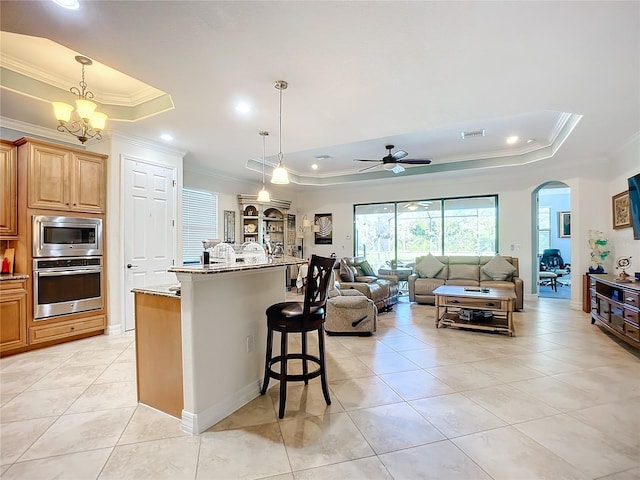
[531,140]
[70,4]
[166,137]
[243,107]
[512,139]
[314,166]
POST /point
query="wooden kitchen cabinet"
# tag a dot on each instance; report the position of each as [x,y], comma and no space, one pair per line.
[13,314]
[9,185]
[61,329]
[64,179]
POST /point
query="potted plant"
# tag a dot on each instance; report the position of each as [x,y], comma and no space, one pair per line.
[599,251]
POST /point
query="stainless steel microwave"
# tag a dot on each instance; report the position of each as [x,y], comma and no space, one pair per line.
[66,236]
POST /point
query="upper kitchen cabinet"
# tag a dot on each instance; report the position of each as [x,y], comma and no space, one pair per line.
[9,183]
[61,178]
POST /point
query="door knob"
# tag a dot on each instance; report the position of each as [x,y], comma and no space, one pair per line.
[131,266]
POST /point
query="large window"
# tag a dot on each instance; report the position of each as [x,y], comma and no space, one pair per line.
[544,229]
[199,222]
[401,231]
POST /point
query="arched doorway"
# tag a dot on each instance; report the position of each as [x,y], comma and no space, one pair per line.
[551,253]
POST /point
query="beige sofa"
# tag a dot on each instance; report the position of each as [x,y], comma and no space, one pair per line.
[382,289]
[464,271]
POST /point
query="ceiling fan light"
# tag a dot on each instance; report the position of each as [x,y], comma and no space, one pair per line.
[263,195]
[389,166]
[412,207]
[98,121]
[62,111]
[85,108]
[280,175]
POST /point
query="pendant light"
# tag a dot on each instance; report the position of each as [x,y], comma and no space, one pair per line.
[263,195]
[280,175]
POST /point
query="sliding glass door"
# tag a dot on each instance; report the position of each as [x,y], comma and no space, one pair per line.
[398,232]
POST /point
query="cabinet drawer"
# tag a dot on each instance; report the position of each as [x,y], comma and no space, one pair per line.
[631,316]
[54,331]
[632,332]
[632,299]
[485,304]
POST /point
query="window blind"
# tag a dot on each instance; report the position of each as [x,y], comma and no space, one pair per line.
[199,222]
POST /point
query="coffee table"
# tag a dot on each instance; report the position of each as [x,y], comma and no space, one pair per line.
[494,308]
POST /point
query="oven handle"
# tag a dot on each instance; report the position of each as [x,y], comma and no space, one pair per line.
[41,273]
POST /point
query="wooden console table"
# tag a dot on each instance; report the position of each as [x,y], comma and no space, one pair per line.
[615,306]
[499,302]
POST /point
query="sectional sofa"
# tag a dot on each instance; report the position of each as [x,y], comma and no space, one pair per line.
[484,271]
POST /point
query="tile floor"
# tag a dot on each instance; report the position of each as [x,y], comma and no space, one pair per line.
[558,401]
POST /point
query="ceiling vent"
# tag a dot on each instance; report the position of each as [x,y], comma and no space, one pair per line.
[323,157]
[474,133]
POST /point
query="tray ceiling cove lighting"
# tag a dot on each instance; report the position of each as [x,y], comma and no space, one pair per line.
[83,122]
[280,175]
[263,195]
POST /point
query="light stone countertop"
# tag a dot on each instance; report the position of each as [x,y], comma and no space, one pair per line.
[160,290]
[214,268]
[13,276]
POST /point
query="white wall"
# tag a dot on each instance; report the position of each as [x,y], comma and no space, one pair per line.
[627,164]
[590,205]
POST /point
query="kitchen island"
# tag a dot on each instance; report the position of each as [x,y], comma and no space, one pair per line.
[223,334]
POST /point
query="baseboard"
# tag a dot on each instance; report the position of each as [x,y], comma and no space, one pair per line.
[195,423]
[113,329]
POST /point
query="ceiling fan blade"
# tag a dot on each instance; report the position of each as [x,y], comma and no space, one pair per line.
[415,161]
[367,168]
[399,154]
[364,160]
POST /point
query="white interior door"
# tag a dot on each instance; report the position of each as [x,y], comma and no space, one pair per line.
[149,228]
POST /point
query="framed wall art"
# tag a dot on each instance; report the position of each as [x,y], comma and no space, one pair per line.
[621,210]
[324,235]
[564,224]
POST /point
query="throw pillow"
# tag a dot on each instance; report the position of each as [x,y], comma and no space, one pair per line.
[367,269]
[346,272]
[499,269]
[429,267]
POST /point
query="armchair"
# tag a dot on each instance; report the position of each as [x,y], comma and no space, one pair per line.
[350,312]
[356,273]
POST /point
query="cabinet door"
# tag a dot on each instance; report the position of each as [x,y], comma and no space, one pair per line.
[13,312]
[9,185]
[87,184]
[49,178]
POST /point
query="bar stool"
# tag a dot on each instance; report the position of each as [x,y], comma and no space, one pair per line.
[300,317]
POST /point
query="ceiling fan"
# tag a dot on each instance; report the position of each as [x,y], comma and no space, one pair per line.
[392,161]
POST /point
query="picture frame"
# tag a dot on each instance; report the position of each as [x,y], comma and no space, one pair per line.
[229,226]
[621,210]
[323,228]
[564,224]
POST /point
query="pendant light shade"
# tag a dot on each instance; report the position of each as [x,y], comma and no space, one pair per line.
[280,175]
[263,195]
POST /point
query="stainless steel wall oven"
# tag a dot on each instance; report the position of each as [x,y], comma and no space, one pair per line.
[66,285]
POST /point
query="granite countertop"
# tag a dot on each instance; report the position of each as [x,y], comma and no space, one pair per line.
[160,290]
[13,276]
[237,266]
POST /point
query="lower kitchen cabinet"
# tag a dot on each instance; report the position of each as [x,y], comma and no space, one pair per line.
[68,328]
[13,315]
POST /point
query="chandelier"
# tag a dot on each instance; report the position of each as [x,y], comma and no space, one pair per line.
[263,195]
[280,175]
[84,123]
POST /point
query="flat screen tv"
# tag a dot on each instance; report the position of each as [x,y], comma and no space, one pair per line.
[634,201]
